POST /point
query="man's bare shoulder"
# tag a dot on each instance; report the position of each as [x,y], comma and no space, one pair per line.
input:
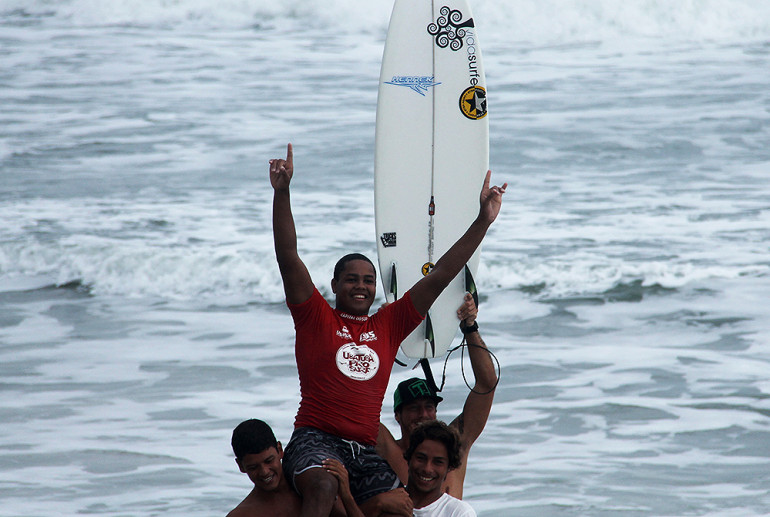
[242,511]
[283,504]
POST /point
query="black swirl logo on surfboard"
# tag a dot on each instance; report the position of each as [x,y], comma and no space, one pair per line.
[449,29]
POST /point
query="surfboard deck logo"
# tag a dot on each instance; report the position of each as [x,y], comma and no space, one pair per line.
[449,29]
[417,83]
[473,102]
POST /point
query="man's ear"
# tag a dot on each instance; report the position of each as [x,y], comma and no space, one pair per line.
[240,465]
[334,285]
[279,448]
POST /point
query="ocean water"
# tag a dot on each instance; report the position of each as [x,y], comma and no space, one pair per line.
[624,286]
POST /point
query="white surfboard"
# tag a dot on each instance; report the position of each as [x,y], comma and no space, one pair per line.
[431,155]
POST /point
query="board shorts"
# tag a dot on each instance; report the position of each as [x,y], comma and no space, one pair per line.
[368,473]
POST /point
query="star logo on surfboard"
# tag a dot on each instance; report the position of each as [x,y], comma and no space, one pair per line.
[473,102]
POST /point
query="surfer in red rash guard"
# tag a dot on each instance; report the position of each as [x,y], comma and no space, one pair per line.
[344,356]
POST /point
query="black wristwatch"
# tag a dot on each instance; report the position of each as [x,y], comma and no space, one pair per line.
[469,329]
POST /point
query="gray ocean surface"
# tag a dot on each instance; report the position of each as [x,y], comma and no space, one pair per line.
[624,287]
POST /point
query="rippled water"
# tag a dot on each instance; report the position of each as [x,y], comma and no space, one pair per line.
[623,287]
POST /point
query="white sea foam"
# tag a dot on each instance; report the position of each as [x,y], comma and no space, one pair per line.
[542,21]
[623,286]
[204,247]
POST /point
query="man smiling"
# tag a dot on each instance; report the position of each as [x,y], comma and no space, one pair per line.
[434,451]
[344,356]
[258,455]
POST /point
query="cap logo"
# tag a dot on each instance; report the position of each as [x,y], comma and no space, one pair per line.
[420,389]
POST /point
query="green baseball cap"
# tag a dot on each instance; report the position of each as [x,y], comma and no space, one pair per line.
[411,390]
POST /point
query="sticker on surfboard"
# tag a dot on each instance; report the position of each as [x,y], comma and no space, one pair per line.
[418,83]
[388,239]
[449,29]
[473,102]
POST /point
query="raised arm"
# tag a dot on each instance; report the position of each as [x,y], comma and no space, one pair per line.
[297,283]
[470,423]
[390,451]
[425,292]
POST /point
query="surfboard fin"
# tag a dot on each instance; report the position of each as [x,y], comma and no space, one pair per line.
[470,285]
[429,337]
[394,281]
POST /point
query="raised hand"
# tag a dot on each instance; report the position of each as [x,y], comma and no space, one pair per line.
[491,199]
[468,310]
[281,171]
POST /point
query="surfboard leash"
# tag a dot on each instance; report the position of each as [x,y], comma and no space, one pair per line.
[425,364]
[462,346]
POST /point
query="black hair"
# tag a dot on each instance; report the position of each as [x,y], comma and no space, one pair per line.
[341,263]
[440,432]
[252,437]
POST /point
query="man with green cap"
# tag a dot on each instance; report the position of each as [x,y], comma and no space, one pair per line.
[415,401]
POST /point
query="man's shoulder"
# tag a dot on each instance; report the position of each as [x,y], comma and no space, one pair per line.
[240,511]
[262,510]
[244,509]
[286,503]
[447,506]
[315,297]
[458,507]
[315,308]
[403,308]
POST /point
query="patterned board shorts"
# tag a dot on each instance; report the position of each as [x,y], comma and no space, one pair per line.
[368,473]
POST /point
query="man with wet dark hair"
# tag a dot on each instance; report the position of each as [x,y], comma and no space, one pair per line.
[433,452]
[258,455]
[339,267]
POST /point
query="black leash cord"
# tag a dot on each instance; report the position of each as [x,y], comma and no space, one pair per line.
[462,346]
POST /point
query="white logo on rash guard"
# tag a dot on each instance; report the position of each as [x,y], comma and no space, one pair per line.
[344,333]
[359,362]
